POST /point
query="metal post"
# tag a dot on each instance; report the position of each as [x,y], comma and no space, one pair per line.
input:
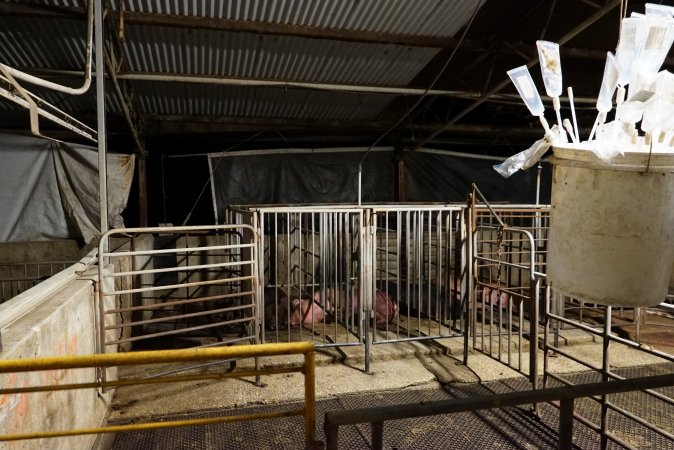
[565,424]
[377,435]
[100,109]
[605,368]
[331,434]
[468,310]
[533,333]
[310,399]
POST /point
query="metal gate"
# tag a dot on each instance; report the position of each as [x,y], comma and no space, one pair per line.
[507,249]
[196,285]
[417,263]
[311,270]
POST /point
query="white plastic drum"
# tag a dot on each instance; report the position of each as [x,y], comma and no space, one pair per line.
[611,237]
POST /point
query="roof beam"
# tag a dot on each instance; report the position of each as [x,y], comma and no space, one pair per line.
[267,28]
[179,124]
[608,7]
[281,29]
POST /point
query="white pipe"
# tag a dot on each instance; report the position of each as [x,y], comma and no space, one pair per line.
[67,123]
[58,87]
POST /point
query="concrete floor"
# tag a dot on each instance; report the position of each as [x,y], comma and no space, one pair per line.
[399,366]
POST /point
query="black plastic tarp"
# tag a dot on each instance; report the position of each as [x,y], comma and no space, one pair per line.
[434,177]
[331,177]
[300,178]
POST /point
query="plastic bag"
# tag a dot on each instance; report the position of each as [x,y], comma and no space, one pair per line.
[527,158]
[523,159]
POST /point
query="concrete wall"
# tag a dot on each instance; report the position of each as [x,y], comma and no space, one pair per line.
[62,324]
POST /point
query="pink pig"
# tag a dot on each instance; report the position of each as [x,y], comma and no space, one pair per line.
[305,312]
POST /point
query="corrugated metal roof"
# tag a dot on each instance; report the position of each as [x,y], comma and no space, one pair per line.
[235,101]
[71,104]
[219,53]
[426,17]
[439,18]
[41,42]
[415,17]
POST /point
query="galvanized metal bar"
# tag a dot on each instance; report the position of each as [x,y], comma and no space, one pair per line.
[179,286]
[124,254]
[606,368]
[100,112]
[180,330]
[181,302]
[183,316]
[185,268]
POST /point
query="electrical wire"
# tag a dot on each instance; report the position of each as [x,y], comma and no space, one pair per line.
[210,176]
[425,93]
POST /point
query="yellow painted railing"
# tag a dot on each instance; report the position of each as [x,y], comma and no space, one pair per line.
[171,356]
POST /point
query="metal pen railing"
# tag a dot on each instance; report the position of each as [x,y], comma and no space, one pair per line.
[565,395]
[170,356]
[16,278]
[604,371]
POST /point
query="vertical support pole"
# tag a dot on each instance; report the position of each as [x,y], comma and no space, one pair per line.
[566,424]
[377,435]
[605,368]
[141,159]
[100,113]
[331,435]
[468,312]
[310,399]
[546,335]
[366,281]
[533,332]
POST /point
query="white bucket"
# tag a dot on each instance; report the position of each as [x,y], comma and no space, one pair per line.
[611,227]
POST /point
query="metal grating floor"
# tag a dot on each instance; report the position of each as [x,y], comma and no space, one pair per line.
[509,428]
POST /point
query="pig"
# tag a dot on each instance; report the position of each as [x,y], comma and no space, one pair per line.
[279,311]
[491,296]
[304,312]
[420,299]
[385,308]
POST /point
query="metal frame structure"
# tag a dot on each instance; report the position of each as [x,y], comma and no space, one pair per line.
[200,355]
[566,397]
[19,277]
[417,261]
[205,278]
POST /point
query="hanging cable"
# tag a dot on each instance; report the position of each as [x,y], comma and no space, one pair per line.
[419,100]
[210,176]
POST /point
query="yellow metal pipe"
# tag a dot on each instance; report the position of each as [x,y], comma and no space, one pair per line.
[309,399]
[153,357]
[150,426]
[158,380]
